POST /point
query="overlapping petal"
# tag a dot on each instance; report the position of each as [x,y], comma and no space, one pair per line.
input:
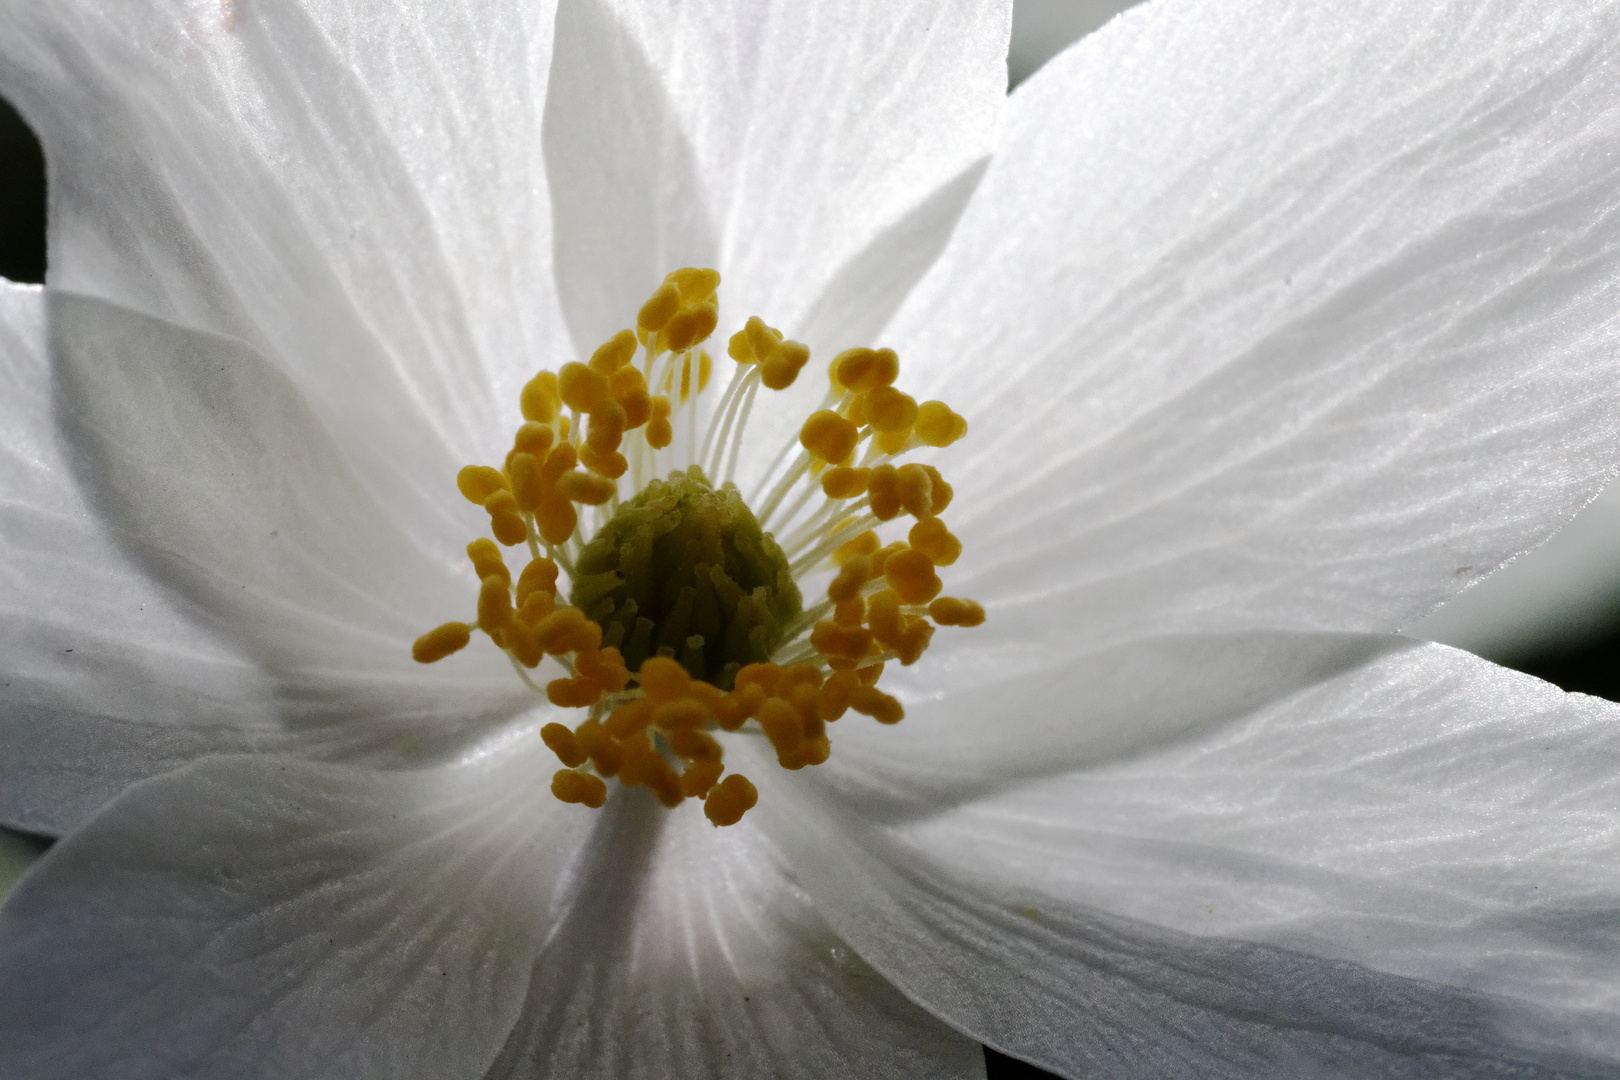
[315,181]
[265,917]
[106,679]
[223,484]
[1408,865]
[771,140]
[689,951]
[1282,315]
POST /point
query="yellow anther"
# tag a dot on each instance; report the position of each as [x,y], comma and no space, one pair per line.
[479,482]
[534,607]
[695,745]
[629,719]
[915,634]
[618,351]
[910,574]
[583,388]
[587,488]
[846,584]
[798,675]
[606,757]
[699,777]
[486,559]
[564,745]
[884,489]
[809,752]
[950,611]
[607,428]
[697,284]
[535,438]
[504,520]
[738,707]
[645,767]
[605,668]
[540,400]
[567,630]
[916,487]
[684,713]
[843,642]
[611,465]
[779,369]
[659,432]
[562,459]
[629,389]
[843,482]
[851,612]
[940,492]
[527,489]
[577,787]
[782,725]
[881,556]
[556,519]
[765,677]
[440,642]
[575,693]
[659,308]
[937,425]
[662,679]
[832,700]
[892,442]
[828,436]
[753,342]
[865,544]
[494,604]
[865,369]
[876,704]
[883,616]
[518,638]
[539,576]
[932,538]
[689,327]
[730,799]
[887,409]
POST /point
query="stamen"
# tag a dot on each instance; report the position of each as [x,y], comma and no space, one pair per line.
[683,618]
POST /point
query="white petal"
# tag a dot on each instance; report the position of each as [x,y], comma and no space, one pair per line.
[354,190]
[1555,597]
[1043,28]
[1282,314]
[252,917]
[214,474]
[688,951]
[775,141]
[1412,864]
[106,681]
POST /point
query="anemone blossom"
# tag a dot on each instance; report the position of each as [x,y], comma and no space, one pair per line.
[1274,323]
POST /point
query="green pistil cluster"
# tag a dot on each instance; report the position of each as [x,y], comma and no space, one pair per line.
[684,570]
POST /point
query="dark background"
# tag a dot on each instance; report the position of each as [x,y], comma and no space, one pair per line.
[1591,665]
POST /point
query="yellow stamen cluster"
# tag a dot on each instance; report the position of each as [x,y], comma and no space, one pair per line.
[656,726]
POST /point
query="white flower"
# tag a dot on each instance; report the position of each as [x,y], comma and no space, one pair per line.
[1276,323]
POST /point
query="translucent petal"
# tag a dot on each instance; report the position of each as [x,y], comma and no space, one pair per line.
[818,156]
[212,472]
[689,951]
[264,917]
[1281,315]
[353,190]
[106,680]
[1408,865]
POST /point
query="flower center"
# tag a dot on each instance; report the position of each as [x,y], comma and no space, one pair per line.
[684,617]
[683,570]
